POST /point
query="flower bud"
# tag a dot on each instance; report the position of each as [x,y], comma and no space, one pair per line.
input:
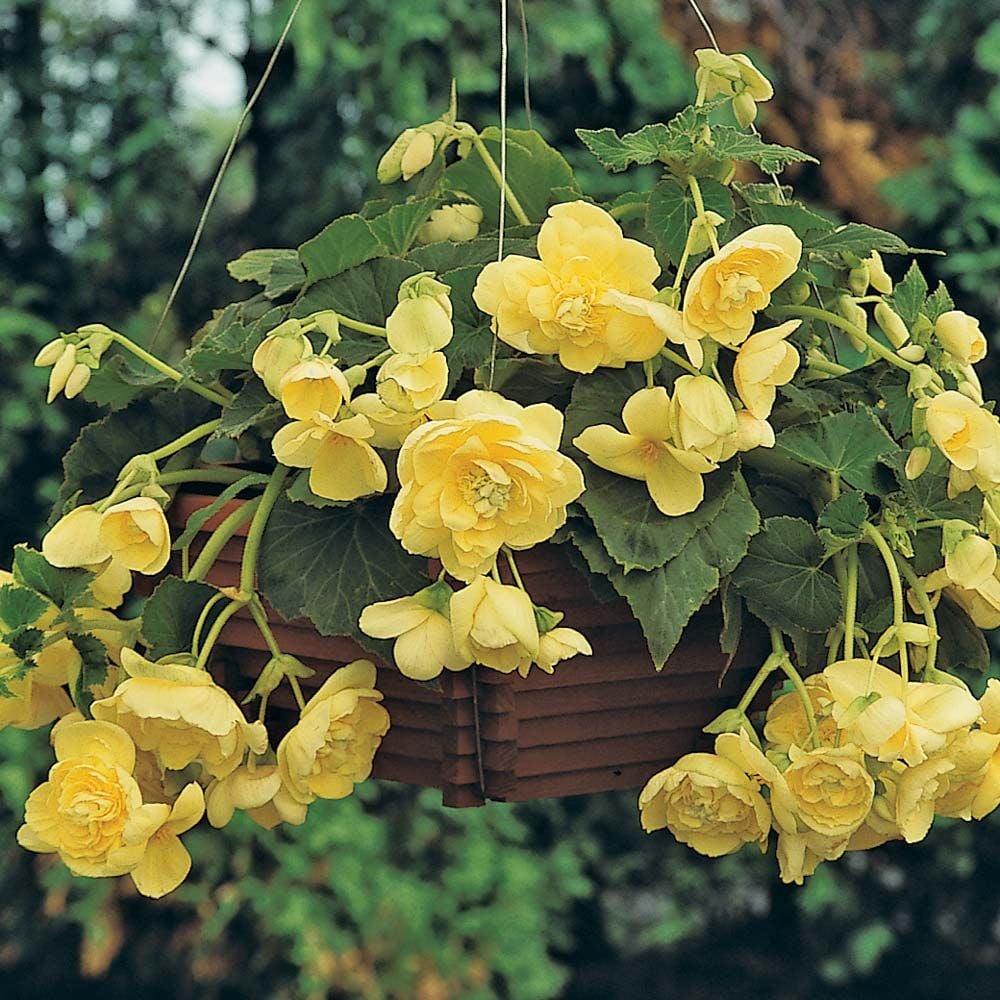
[412,151]
[277,355]
[858,278]
[745,109]
[98,338]
[50,353]
[703,228]
[702,418]
[913,353]
[917,462]
[61,372]
[137,534]
[77,381]
[410,383]
[419,325]
[920,378]
[458,223]
[960,335]
[853,313]
[892,325]
[877,274]
[752,432]
[972,562]
[315,385]
[328,324]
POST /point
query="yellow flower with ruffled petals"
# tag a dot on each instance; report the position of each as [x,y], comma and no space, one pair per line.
[765,360]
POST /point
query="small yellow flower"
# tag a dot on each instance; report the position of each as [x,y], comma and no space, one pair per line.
[702,418]
[421,322]
[494,624]
[409,383]
[726,290]
[960,335]
[971,787]
[735,76]
[491,475]
[558,644]
[260,793]
[314,386]
[83,810]
[831,788]
[156,828]
[918,789]
[331,748]
[972,562]
[564,303]
[968,435]
[752,433]
[708,803]
[893,727]
[421,626]
[342,464]
[75,539]
[33,704]
[180,714]
[672,475]
[280,351]
[137,535]
[765,360]
[459,222]
[787,724]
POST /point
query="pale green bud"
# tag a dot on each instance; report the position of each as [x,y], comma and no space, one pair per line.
[877,274]
[745,109]
[917,462]
[858,278]
[77,381]
[61,372]
[912,353]
[892,325]
[328,324]
[50,353]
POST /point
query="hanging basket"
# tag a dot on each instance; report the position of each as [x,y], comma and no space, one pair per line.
[603,722]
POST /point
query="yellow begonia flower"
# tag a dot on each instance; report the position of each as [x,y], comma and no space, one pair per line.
[421,626]
[315,386]
[786,723]
[558,644]
[972,562]
[494,624]
[260,793]
[917,789]
[708,803]
[672,475]
[893,727]
[727,289]
[180,714]
[33,704]
[971,789]
[565,302]
[459,222]
[702,418]
[409,383]
[331,748]
[112,582]
[137,535]
[765,360]
[279,352]
[735,76]
[390,427]
[342,464]
[491,475]
[421,322]
[82,811]
[156,828]
[75,539]
[960,335]
[752,433]
[968,435]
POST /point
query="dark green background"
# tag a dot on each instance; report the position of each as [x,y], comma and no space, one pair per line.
[104,165]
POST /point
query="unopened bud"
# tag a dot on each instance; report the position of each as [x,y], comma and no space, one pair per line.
[61,372]
[891,324]
[877,274]
[702,231]
[854,314]
[858,278]
[77,381]
[920,378]
[745,109]
[50,353]
[328,324]
[917,462]
[912,353]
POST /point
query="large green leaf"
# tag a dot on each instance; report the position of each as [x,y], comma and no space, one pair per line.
[251,406]
[345,243]
[447,256]
[854,238]
[279,271]
[850,443]
[841,522]
[171,614]
[671,210]
[93,669]
[783,580]
[728,143]
[909,294]
[226,348]
[397,229]
[963,643]
[328,564]
[117,383]
[19,607]
[66,588]
[534,170]
[617,153]
[664,599]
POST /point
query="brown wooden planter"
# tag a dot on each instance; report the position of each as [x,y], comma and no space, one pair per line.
[607,721]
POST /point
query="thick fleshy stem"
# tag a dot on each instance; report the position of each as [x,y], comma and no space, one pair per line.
[217,540]
[926,609]
[203,619]
[851,602]
[216,630]
[357,324]
[898,609]
[182,442]
[177,477]
[785,663]
[248,569]
[769,666]
[679,360]
[513,569]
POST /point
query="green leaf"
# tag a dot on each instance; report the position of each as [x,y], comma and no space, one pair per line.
[671,211]
[63,587]
[26,642]
[664,599]
[617,153]
[327,565]
[908,296]
[171,613]
[279,271]
[854,238]
[534,170]
[19,606]
[229,348]
[345,243]
[767,204]
[472,342]
[301,492]
[93,669]
[728,143]
[117,383]
[783,581]
[397,229]
[850,443]
[447,256]
[251,406]
[938,302]
[842,521]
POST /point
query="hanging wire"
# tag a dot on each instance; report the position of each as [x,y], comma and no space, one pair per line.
[504,55]
[527,68]
[223,166]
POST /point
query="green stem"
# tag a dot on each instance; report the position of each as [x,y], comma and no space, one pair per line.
[785,662]
[297,691]
[219,474]
[491,166]
[898,609]
[926,608]
[203,618]
[179,444]
[217,540]
[356,324]
[851,602]
[679,360]
[263,626]
[248,569]
[215,631]
[513,569]
[826,367]
[172,373]
[770,665]
[699,207]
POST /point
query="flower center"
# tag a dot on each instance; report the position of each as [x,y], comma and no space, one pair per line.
[484,494]
[737,288]
[574,303]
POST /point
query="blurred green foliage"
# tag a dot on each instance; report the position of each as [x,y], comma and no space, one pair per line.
[103,170]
